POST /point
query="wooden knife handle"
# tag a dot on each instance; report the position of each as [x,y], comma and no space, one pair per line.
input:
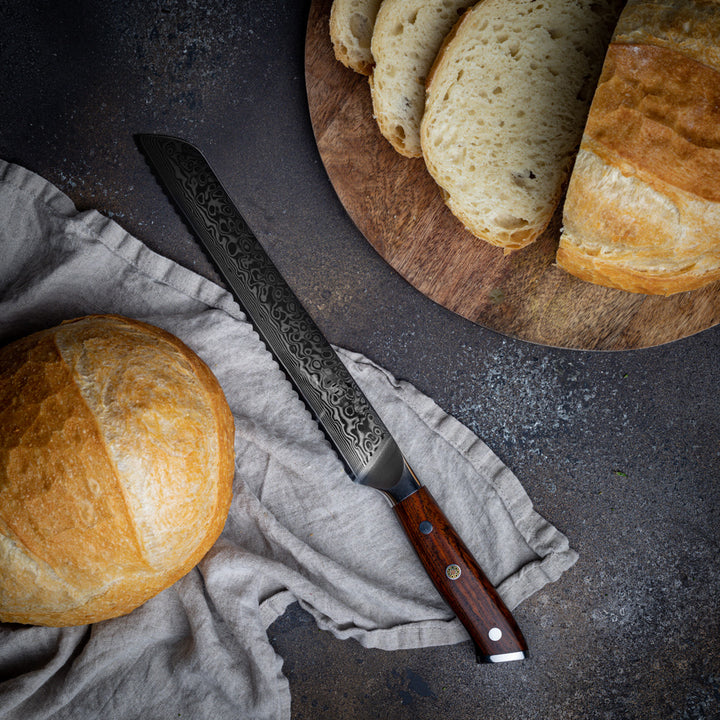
[460,580]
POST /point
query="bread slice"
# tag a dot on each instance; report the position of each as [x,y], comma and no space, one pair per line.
[643,206]
[405,41]
[351,29]
[507,99]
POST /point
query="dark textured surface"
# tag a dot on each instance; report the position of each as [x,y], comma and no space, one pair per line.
[621,451]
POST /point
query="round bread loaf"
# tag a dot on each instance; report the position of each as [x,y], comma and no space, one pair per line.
[116,469]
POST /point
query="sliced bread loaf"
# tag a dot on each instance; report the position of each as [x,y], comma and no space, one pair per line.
[643,205]
[351,29]
[405,41]
[507,99]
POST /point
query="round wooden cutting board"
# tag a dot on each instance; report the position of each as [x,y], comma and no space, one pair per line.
[398,208]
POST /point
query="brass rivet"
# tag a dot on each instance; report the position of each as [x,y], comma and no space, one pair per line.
[453,571]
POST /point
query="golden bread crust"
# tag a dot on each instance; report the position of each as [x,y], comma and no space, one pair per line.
[660,111]
[115,471]
[642,211]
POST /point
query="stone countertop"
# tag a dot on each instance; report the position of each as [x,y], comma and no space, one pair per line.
[621,451]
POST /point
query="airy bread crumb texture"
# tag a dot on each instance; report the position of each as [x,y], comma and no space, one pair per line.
[405,42]
[507,99]
[351,29]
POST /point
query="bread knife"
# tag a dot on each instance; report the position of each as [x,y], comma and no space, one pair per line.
[370,454]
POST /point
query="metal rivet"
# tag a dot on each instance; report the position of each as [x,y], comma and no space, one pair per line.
[495,634]
[425,527]
[453,571]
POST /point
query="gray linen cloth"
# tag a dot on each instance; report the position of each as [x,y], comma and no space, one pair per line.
[298,529]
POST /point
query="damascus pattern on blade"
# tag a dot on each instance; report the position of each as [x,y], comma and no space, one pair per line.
[277,315]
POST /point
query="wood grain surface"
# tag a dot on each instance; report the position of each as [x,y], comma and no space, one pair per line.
[399,209]
[458,577]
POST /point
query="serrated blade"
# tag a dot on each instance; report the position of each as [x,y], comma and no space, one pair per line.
[339,405]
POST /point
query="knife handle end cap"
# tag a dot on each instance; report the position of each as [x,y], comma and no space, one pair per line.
[482,658]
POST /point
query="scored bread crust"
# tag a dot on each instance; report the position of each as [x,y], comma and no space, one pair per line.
[116,469]
[351,29]
[642,212]
[406,39]
[506,102]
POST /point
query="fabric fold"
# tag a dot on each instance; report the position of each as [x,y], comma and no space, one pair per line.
[298,529]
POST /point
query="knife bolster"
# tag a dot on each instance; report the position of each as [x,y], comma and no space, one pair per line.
[406,485]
